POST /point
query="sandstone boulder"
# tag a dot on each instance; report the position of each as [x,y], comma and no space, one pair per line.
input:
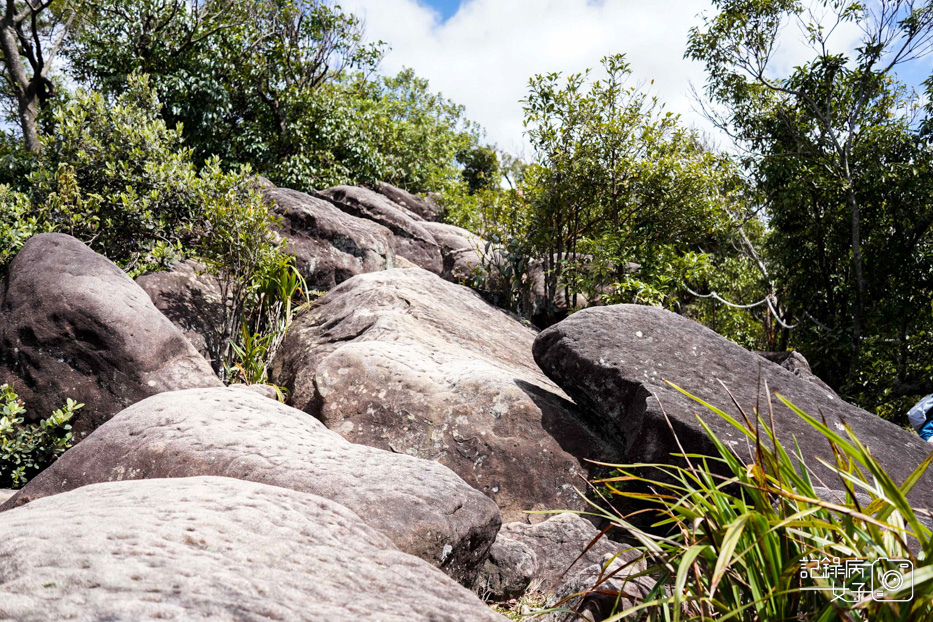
[508,571]
[614,360]
[424,508]
[412,240]
[559,541]
[193,301]
[329,245]
[405,361]
[211,548]
[460,249]
[599,591]
[425,210]
[72,324]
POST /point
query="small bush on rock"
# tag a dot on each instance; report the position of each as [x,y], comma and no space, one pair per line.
[26,449]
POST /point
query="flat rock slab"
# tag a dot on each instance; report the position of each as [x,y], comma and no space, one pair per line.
[614,360]
[72,324]
[211,548]
[329,245]
[405,361]
[412,240]
[423,507]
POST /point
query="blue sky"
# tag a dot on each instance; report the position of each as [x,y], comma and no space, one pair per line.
[445,7]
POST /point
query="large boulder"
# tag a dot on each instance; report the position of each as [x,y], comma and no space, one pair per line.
[507,573]
[559,542]
[212,548]
[329,244]
[614,362]
[424,508]
[72,324]
[192,299]
[598,592]
[461,250]
[405,361]
[412,240]
[425,210]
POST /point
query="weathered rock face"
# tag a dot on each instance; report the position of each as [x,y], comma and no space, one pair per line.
[405,361]
[211,548]
[412,240]
[330,245]
[795,363]
[192,300]
[614,360]
[424,508]
[508,572]
[426,210]
[607,588]
[460,249]
[558,542]
[72,324]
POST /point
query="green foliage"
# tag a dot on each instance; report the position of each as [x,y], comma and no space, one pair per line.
[836,150]
[730,546]
[26,449]
[480,168]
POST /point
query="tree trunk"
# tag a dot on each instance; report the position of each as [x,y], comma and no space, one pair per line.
[27,93]
[857,273]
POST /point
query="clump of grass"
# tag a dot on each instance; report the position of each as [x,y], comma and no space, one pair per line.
[732,546]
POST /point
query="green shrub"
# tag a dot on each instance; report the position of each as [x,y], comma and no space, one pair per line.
[730,547]
[26,449]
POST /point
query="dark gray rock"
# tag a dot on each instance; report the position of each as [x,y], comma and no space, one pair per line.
[72,324]
[329,245]
[405,361]
[425,210]
[192,300]
[559,541]
[412,240]
[614,360]
[795,363]
[424,508]
[508,571]
[212,548]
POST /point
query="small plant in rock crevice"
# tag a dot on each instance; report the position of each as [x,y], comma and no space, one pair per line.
[27,448]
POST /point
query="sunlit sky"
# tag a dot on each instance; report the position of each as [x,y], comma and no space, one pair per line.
[481,53]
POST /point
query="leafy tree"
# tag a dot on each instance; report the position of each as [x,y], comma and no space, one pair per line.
[835,150]
[480,168]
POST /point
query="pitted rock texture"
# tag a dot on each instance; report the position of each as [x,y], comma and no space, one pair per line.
[558,542]
[328,244]
[72,324]
[608,587]
[424,508]
[412,240]
[192,300]
[461,251]
[614,362]
[508,572]
[405,361]
[425,210]
[211,548]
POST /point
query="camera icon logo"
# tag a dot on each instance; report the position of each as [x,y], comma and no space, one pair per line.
[890,578]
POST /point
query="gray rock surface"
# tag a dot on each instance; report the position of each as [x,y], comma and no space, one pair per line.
[6,494]
[72,324]
[424,508]
[192,300]
[605,588]
[508,572]
[329,245]
[559,541]
[405,361]
[797,364]
[614,360]
[412,240]
[426,210]
[460,249]
[211,548]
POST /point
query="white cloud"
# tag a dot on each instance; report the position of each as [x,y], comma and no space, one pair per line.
[483,56]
